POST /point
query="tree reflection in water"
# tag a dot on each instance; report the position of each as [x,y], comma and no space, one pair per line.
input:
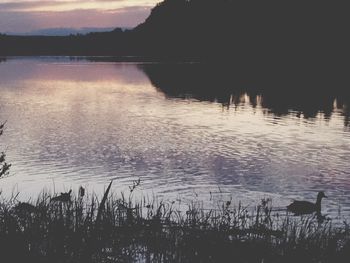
[279,93]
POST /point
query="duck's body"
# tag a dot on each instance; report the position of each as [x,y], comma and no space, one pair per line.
[302,207]
[305,207]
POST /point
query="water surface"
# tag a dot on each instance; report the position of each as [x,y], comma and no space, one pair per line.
[183,130]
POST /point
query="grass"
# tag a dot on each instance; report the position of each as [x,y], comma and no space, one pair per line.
[4,166]
[118,229]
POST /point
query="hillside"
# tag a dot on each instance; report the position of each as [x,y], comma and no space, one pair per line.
[248,29]
[293,34]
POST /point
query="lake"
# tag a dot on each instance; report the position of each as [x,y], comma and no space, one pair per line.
[187,131]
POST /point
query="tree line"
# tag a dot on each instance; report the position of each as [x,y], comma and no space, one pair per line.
[289,39]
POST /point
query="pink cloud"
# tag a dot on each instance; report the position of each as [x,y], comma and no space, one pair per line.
[27,21]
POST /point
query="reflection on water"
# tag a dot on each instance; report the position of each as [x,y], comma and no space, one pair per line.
[183,129]
[224,85]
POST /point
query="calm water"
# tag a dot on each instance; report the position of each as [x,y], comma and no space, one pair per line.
[75,122]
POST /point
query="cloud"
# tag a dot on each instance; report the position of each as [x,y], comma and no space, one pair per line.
[19,21]
[22,6]
[69,5]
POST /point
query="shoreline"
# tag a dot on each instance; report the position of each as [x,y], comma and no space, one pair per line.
[81,227]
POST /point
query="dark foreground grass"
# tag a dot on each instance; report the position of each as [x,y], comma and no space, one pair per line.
[113,229]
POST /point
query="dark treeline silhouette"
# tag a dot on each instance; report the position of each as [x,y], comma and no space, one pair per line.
[215,83]
[247,31]
[106,43]
[288,39]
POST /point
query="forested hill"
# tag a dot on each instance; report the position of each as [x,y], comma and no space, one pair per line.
[248,28]
[247,31]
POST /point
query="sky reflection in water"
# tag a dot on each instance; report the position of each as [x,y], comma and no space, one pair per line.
[77,122]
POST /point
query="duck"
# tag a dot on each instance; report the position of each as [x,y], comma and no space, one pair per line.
[305,207]
[63,197]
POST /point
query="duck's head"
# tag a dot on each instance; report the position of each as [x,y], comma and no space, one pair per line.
[321,195]
[68,193]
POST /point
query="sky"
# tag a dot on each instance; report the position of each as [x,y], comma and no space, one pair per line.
[29,15]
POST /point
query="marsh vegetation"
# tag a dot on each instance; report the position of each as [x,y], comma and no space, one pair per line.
[83,227]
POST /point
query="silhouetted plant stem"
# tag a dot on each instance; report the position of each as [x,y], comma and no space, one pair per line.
[4,166]
[90,248]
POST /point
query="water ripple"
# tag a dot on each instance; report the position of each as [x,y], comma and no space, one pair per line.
[66,130]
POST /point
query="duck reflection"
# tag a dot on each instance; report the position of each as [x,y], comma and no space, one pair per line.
[278,93]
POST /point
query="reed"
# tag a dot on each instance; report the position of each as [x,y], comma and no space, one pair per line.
[120,229]
[4,166]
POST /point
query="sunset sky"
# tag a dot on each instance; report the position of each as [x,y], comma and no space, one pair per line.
[29,15]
